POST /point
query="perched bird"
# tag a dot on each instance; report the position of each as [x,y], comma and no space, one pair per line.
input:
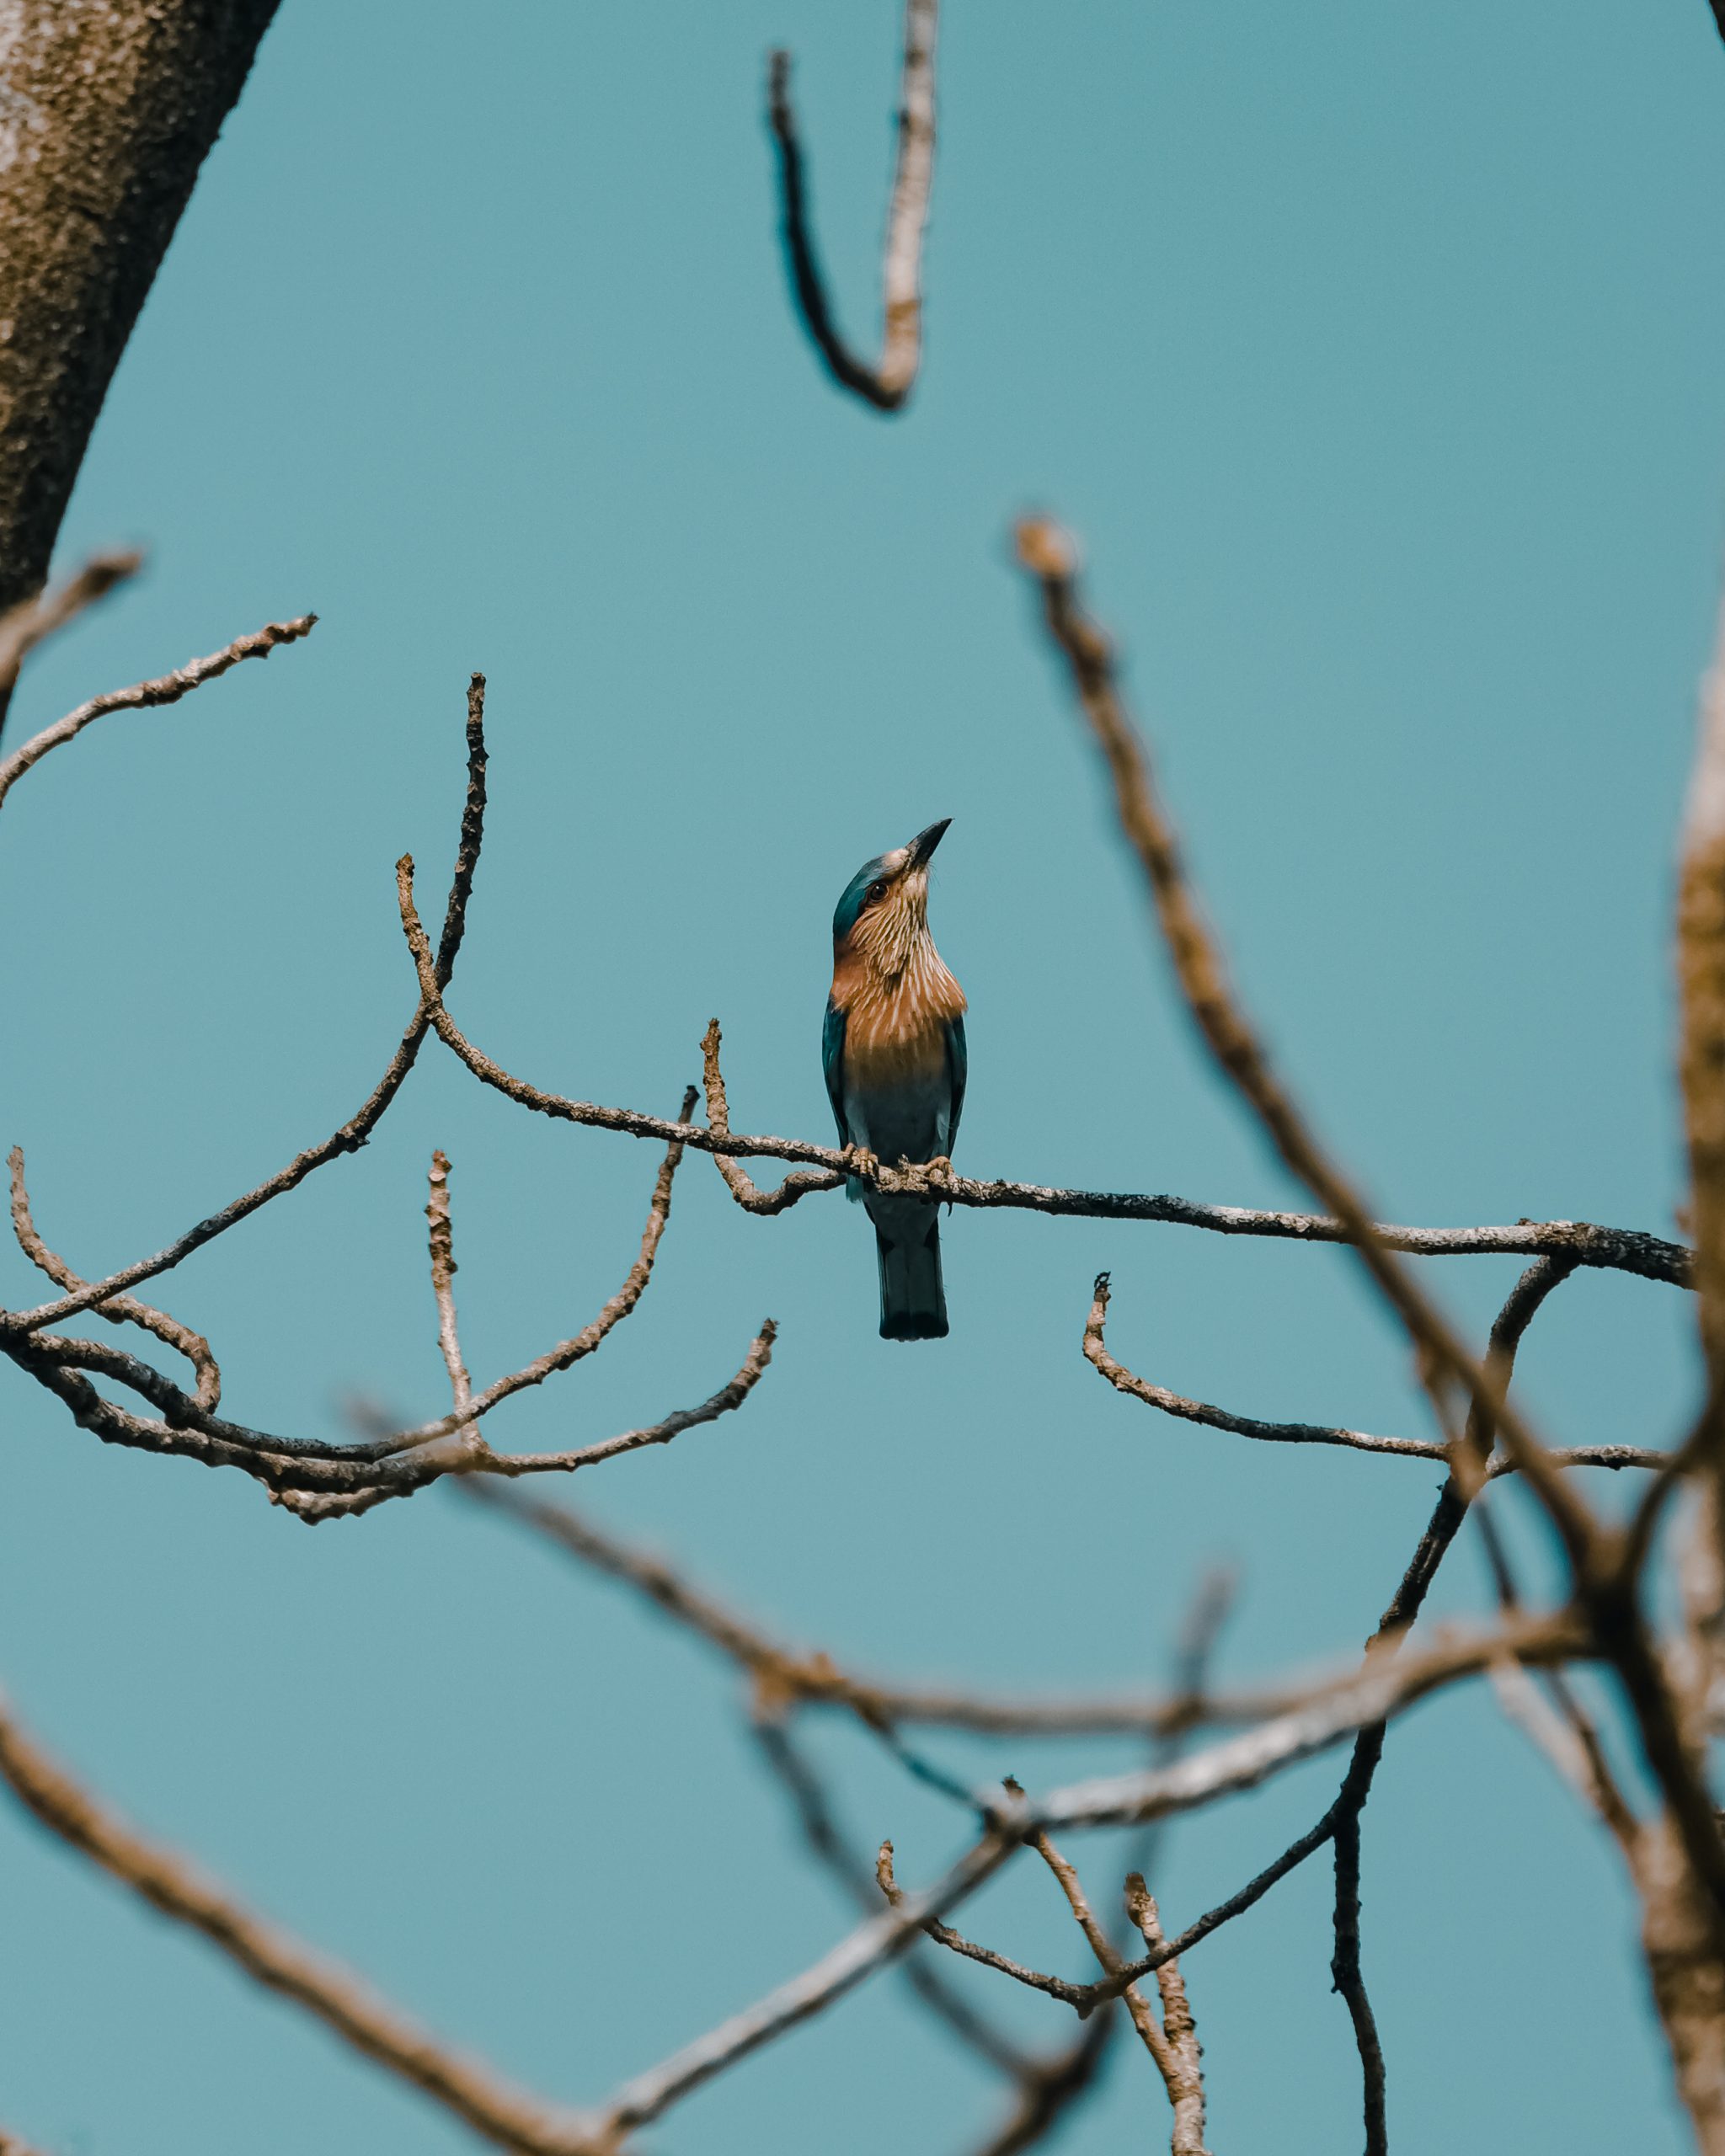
[894,1051]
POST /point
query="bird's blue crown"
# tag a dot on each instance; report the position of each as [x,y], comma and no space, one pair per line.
[850,905]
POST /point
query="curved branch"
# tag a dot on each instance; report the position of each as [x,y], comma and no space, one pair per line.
[359,1127]
[401,1461]
[868,1948]
[166,689]
[802,1677]
[123,1309]
[33,621]
[370,1472]
[1443,1361]
[1241,1762]
[1380,1688]
[887,385]
[737,1179]
[1321,1433]
[810,1802]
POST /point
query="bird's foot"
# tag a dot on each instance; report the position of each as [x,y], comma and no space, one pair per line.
[862,1162]
[939,1170]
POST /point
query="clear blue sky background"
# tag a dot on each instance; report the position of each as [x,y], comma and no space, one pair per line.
[1376,353]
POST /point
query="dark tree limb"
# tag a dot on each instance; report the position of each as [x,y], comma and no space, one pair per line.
[888,383]
[110,111]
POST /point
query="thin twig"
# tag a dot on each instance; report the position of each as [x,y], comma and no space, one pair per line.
[738,1180]
[122,1309]
[888,384]
[1441,1358]
[1108,1959]
[728,1396]
[443,1271]
[1508,1330]
[33,621]
[166,689]
[944,1935]
[1053,2088]
[1323,1434]
[1184,2075]
[354,1132]
[811,1677]
[403,1461]
[1381,1689]
[813,1806]
[1559,1738]
[868,1948]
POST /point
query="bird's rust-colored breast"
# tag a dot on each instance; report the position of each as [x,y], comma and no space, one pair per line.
[895,1030]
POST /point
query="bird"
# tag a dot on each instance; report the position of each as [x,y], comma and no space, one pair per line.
[893,1049]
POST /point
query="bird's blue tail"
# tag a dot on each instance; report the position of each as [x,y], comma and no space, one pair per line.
[913,1304]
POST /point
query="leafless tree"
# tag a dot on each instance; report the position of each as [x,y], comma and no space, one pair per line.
[165,74]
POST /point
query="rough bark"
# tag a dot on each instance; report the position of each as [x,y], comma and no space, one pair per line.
[107,110]
[1685,1962]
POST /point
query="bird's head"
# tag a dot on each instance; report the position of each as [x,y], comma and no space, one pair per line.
[883,914]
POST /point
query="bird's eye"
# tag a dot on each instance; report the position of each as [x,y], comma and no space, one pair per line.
[875,892]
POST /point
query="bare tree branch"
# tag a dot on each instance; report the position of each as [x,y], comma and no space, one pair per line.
[811,1677]
[122,1309]
[1605,1579]
[1612,1249]
[1441,1358]
[1577,1758]
[791,1766]
[955,1942]
[1381,1688]
[1240,1763]
[1108,1959]
[31,621]
[359,1476]
[888,384]
[1322,1434]
[737,1179]
[166,689]
[1182,2075]
[1053,2091]
[359,1127]
[868,1948]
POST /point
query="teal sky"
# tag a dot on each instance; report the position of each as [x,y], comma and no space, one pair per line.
[1375,353]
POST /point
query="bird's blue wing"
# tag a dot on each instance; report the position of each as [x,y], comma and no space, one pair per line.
[832,1062]
[958,1069]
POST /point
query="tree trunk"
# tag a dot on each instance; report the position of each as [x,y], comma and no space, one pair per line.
[107,109]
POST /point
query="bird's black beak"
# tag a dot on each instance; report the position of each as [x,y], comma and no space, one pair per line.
[922,846]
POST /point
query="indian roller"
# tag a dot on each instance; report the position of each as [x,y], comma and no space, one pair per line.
[894,1051]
